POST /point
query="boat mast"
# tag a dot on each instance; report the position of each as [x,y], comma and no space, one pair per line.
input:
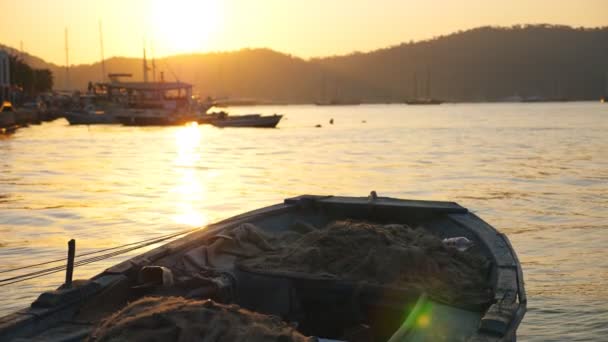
[428,82]
[103,61]
[153,64]
[415,85]
[67,62]
[145,67]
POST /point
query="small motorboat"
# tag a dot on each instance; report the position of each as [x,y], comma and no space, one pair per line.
[249,120]
[93,110]
[340,268]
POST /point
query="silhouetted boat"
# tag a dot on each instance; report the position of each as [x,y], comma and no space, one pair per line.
[214,263]
[336,102]
[157,103]
[336,99]
[428,100]
[28,113]
[7,118]
[424,102]
[250,120]
[93,111]
[7,115]
[89,117]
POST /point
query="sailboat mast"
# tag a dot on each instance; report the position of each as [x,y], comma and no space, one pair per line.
[67,61]
[415,85]
[428,82]
[103,60]
[145,67]
[153,64]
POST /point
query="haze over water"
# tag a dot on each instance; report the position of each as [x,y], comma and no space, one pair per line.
[537,172]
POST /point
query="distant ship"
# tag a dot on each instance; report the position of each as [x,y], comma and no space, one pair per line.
[428,100]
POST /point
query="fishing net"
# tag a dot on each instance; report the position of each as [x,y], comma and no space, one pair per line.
[179,319]
[392,255]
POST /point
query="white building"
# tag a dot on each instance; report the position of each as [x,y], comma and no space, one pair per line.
[5,79]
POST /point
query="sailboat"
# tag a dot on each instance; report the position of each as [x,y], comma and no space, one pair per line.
[336,100]
[428,100]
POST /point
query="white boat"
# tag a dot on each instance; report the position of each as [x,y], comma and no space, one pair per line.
[249,120]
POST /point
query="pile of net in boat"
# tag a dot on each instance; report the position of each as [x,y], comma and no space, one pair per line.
[391,255]
[179,319]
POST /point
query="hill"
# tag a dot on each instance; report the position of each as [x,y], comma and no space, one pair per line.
[482,64]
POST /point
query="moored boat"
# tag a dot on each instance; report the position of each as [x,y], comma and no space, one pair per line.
[93,110]
[28,113]
[246,260]
[157,103]
[250,120]
[7,115]
[424,102]
[89,117]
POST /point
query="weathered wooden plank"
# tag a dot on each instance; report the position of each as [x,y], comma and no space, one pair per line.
[506,284]
[13,322]
[438,206]
[498,318]
[520,274]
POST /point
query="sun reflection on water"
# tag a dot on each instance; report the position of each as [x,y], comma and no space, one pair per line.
[188,190]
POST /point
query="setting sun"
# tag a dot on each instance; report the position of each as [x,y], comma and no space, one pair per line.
[184,25]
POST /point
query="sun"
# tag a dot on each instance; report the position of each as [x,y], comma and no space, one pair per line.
[179,26]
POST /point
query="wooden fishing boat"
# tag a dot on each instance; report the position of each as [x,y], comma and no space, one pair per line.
[215,263]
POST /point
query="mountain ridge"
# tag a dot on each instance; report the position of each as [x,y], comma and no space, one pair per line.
[481,64]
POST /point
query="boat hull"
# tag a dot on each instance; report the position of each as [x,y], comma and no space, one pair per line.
[84,118]
[256,122]
[155,118]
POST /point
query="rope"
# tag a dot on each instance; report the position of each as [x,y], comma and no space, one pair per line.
[95,252]
[117,251]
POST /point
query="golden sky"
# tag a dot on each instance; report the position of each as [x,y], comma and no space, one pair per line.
[305,28]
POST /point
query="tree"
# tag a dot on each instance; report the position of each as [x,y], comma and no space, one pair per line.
[31,81]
